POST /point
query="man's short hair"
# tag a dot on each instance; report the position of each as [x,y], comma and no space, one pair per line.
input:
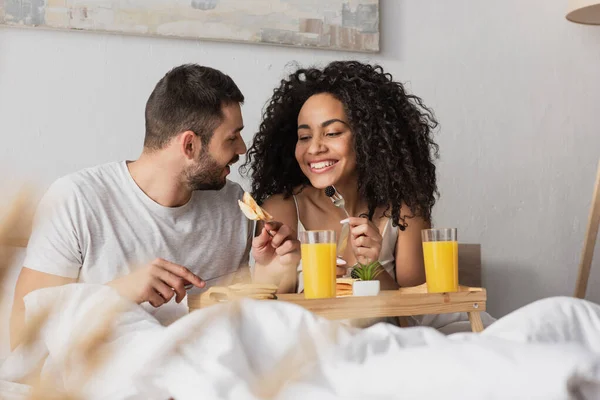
[188,98]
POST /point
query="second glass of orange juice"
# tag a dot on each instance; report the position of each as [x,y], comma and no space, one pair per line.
[318,249]
[440,251]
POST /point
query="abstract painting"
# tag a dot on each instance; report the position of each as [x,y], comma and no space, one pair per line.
[351,25]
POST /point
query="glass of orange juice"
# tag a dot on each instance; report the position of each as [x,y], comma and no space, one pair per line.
[440,251]
[318,250]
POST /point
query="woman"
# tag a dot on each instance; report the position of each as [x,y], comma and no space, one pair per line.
[351,126]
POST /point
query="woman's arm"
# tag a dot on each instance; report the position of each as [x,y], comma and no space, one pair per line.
[283,211]
[386,281]
[366,243]
[410,268]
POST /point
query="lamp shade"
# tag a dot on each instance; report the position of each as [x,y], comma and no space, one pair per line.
[584,11]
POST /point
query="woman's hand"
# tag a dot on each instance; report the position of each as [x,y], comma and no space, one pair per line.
[276,242]
[276,251]
[365,239]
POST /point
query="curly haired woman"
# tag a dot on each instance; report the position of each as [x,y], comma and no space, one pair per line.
[352,126]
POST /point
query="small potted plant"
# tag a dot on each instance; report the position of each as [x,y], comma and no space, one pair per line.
[367,283]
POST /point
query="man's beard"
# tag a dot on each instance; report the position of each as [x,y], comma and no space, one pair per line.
[207,174]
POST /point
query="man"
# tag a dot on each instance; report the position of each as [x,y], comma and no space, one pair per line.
[152,226]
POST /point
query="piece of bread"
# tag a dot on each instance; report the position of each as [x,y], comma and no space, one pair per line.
[252,210]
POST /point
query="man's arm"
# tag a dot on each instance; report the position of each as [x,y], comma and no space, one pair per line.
[53,255]
[28,281]
[158,282]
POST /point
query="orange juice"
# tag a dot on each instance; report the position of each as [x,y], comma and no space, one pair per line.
[318,267]
[441,266]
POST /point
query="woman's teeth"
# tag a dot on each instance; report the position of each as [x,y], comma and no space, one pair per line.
[322,164]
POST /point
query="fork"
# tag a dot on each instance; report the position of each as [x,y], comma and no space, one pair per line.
[190,286]
[339,202]
[336,198]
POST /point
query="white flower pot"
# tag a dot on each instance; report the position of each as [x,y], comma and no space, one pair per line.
[365,288]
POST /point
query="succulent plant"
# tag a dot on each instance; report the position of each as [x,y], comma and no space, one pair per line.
[367,272]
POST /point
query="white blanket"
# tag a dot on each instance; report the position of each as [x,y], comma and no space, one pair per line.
[547,350]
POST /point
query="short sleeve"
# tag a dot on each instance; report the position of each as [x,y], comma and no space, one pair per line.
[54,246]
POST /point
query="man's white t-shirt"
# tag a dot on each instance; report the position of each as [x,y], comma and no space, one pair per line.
[96,225]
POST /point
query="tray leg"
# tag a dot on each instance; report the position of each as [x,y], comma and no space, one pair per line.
[475,319]
[403,322]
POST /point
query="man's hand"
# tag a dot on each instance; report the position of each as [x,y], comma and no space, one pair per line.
[276,240]
[157,283]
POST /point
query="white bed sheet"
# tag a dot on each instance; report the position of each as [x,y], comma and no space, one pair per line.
[547,350]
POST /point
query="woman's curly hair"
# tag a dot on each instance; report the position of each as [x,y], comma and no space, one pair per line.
[392,133]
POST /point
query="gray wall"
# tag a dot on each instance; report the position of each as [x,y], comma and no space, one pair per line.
[515,87]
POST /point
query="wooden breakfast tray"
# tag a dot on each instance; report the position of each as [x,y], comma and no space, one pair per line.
[389,303]
[398,303]
[224,294]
